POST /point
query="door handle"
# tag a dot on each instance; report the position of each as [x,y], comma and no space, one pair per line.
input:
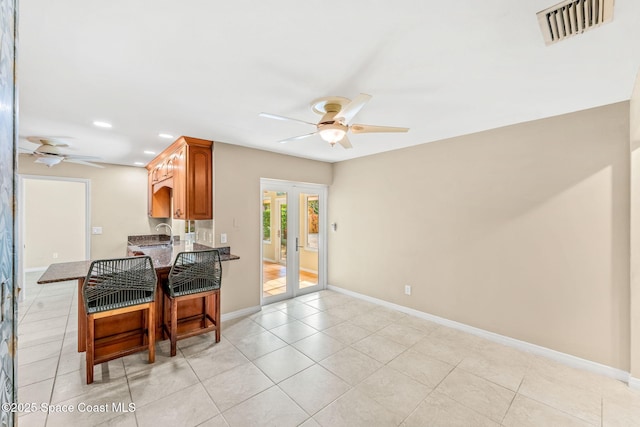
[297,246]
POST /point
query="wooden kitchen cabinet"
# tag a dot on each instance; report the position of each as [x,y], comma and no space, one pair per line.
[186,168]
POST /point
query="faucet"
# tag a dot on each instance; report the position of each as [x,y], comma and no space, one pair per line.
[170,231]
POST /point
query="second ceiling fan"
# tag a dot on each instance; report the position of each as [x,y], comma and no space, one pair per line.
[337,113]
[50,154]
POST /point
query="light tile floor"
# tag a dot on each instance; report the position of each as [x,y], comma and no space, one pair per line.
[321,359]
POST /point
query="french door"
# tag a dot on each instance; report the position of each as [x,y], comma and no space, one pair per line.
[293,239]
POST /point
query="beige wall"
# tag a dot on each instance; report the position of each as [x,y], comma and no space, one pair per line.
[635,229]
[237,211]
[54,222]
[523,231]
[118,201]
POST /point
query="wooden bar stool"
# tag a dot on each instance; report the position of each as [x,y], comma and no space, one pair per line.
[114,287]
[194,275]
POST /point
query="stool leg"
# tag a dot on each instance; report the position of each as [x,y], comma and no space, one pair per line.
[151,333]
[206,311]
[216,307]
[145,327]
[174,325]
[166,315]
[90,347]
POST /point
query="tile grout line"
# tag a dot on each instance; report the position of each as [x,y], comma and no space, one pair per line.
[126,376]
[601,411]
[558,409]
[207,391]
[515,394]
[59,356]
[55,377]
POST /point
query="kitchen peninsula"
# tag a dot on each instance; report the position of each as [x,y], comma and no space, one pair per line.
[125,330]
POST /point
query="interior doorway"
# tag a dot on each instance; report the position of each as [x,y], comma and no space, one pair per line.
[53,221]
[293,239]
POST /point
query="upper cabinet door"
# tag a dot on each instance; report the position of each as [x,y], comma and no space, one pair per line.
[199,183]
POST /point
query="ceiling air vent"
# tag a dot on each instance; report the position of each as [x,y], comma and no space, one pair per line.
[572,17]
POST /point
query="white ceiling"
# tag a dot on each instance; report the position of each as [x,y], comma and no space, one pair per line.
[206,68]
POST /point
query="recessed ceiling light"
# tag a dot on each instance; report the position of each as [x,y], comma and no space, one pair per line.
[149,152]
[138,163]
[102,124]
[165,135]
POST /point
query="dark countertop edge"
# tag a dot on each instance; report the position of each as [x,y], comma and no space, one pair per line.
[64,271]
[74,270]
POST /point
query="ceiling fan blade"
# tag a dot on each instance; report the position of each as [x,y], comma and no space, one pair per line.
[43,140]
[349,111]
[297,137]
[79,157]
[372,129]
[345,142]
[82,162]
[278,117]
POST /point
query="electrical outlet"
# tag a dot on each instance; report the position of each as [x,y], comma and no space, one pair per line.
[407,289]
[55,255]
[223,238]
[96,230]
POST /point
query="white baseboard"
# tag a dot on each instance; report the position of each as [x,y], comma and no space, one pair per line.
[34,269]
[240,313]
[269,260]
[564,358]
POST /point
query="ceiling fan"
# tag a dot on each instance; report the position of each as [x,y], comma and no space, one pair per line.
[337,113]
[49,152]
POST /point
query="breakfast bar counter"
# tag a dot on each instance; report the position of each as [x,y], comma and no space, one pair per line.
[163,256]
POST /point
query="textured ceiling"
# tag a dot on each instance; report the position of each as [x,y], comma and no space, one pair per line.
[206,68]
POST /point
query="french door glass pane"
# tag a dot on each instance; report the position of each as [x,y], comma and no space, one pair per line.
[274,243]
[309,224]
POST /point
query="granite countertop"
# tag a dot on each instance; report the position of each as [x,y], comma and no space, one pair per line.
[163,255]
[63,271]
[156,246]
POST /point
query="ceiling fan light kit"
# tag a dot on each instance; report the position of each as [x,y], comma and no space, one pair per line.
[333,132]
[49,161]
[337,112]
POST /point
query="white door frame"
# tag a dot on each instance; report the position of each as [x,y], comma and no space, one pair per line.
[22,222]
[293,189]
[278,248]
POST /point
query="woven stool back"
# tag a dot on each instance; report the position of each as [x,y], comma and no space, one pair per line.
[194,272]
[117,283]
